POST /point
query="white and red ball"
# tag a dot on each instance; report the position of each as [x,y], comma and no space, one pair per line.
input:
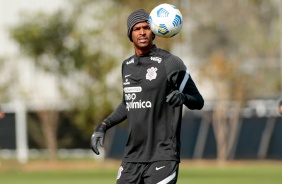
[165,20]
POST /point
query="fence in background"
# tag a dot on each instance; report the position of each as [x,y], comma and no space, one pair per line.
[260,136]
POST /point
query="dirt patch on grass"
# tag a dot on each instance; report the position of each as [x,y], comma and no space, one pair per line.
[53,165]
[91,164]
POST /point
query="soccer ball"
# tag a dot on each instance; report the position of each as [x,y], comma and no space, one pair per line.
[165,20]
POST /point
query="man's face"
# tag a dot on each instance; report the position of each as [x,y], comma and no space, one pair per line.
[142,36]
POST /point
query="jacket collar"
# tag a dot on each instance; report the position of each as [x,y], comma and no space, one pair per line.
[152,52]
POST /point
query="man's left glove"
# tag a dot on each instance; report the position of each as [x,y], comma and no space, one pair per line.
[98,136]
[176,98]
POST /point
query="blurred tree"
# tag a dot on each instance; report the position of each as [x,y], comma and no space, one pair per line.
[230,41]
[8,79]
[80,45]
[71,46]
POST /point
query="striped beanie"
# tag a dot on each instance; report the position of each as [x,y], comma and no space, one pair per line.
[134,18]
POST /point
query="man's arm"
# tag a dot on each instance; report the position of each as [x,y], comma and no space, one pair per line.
[117,116]
[194,98]
[184,89]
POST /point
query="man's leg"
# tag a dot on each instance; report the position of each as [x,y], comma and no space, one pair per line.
[130,173]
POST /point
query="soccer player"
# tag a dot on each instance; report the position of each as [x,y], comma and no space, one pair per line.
[2,114]
[280,107]
[156,84]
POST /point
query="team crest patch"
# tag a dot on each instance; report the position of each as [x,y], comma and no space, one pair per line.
[119,172]
[151,73]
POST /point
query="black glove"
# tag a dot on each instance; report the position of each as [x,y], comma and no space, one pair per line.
[176,98]
[98,136]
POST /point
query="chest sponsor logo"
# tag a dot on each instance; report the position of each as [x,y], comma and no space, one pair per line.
[157,59]
[132,104]
[151,73]
[136,89]
[130,61]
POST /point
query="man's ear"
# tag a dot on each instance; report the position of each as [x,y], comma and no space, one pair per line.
[154,36]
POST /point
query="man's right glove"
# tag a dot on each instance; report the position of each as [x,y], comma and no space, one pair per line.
[98,136]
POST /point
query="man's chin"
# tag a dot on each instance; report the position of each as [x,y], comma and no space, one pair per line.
[143,45]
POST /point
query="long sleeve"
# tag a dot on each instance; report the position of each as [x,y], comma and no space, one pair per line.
[194,98]
[180,79]
[117,116]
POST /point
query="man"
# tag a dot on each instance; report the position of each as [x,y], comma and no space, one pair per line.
[155,86]
[280,107]
[2,114]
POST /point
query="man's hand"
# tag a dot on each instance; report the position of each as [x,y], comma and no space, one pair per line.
[176,98]
[98,136]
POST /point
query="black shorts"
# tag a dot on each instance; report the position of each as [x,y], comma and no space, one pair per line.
[160,172]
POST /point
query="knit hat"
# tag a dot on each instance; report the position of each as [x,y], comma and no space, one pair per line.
[134,18]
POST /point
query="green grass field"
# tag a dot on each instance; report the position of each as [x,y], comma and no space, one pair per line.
[89,171]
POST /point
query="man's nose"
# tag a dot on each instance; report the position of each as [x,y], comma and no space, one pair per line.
[142,31]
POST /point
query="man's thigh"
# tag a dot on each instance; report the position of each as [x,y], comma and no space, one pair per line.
[130,173]
[161,172]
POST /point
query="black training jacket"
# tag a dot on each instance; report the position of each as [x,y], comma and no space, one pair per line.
[153,125]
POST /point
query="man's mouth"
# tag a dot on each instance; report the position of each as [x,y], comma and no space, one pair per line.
[143,40]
